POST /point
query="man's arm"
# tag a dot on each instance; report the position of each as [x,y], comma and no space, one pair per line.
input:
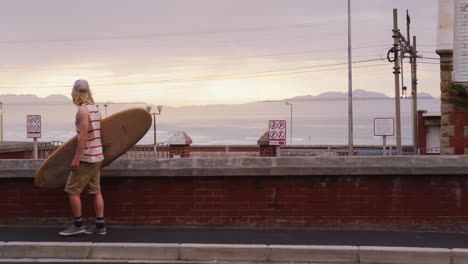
[83,124]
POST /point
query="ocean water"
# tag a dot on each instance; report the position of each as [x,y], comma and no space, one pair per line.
[316,123]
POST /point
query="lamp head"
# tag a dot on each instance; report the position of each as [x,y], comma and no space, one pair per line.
[159,107]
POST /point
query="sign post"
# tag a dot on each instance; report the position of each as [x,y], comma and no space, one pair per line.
[33,128]
[277,132]
[384,126]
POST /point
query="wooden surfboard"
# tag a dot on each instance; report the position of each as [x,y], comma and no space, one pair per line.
[119,133]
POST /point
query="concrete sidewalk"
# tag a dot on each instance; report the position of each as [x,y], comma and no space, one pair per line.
[238,244]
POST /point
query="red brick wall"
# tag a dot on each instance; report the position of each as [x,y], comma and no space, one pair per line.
[16,155]
[268,151]
[459,120]
[182,150]
[253,201]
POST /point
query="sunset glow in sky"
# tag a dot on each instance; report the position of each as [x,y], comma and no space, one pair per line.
[183,52]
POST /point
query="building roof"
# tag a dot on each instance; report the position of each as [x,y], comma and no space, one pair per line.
[179,138]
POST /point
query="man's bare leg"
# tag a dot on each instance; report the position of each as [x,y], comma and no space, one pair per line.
[75,204]
[98,205]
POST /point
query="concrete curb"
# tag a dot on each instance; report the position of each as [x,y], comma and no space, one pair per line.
[72,250]
[397,255]
[322,254]
[459,256]
[135,251]
[229,252]
[226,252]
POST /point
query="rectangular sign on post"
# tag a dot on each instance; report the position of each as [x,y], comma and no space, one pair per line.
[33,126]
[277,132]
[384,126]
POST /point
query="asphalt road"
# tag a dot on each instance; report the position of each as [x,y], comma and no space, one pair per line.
[244,236]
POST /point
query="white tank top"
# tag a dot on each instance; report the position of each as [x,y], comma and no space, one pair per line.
[93,150]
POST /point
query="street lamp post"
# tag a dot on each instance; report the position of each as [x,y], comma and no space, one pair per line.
[290,135]
[350,86]
[159,107]
[105,106]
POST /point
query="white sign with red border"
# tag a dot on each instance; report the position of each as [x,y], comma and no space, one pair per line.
[33,126]
[277,132]
[384,126]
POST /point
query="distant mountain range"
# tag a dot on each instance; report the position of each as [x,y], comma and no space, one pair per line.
[359,93]
[59,98]
[328,102]
[320,119]
[28,98]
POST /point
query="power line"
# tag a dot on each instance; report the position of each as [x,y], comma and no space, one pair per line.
[223,59]
[168,34]
[287,73]
[136,66]
[428,58]
[212,77]
[435,63]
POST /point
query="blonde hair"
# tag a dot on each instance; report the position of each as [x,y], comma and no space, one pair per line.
[81,94]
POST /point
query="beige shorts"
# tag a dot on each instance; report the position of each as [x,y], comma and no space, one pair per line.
[86,178]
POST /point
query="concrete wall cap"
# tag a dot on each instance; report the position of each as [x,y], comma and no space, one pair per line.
[261,166]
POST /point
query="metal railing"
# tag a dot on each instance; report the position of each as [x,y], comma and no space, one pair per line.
[429,151]
[45,149]
[343,151]
[161,150]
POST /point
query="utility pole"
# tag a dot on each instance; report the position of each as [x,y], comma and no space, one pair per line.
[414,93]
[408,22]
[414,82]
[350,87]
[402,46]
[396,72]
[1,121]
[413,54]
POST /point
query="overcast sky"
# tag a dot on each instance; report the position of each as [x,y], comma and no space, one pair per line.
[177,52]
